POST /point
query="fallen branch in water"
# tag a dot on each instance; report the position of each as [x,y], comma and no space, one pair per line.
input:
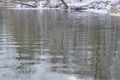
[63,2]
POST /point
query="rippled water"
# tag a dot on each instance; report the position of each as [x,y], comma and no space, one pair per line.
[59,45]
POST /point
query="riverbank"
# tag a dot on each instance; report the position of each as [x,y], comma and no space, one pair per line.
[97,6]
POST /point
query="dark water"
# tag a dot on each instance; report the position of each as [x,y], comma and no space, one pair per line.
[59,45]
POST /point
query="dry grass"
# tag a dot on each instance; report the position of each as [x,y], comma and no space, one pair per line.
[113,10]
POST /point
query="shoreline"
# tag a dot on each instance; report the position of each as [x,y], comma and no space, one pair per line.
[88,10]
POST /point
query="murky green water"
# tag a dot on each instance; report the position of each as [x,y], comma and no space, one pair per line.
[59,45]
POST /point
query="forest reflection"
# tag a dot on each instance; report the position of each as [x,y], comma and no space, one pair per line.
[54,44]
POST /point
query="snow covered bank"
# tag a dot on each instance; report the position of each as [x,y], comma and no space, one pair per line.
[98,6]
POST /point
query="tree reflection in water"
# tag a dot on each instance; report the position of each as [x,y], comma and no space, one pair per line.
[55,45]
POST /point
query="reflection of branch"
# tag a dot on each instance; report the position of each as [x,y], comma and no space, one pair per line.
[97,63]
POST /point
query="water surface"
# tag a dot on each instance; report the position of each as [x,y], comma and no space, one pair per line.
[59,45]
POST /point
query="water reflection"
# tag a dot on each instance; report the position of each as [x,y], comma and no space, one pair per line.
[55,45]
